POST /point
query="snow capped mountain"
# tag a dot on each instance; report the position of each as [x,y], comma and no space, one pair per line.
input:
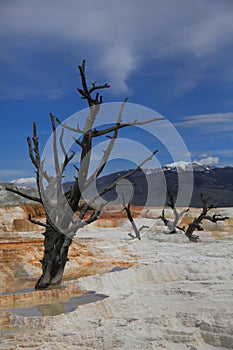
[150,171]
[24,181]
[179,167]
[187,166]
[214,182]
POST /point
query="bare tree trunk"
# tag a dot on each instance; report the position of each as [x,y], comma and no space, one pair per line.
[130,217]
[193,226]
[56,247]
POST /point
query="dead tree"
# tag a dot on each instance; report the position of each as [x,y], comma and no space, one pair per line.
[131,219]
[196,224]
[61,223]
[172,225]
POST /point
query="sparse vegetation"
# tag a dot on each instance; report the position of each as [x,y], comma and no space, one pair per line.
[196,225]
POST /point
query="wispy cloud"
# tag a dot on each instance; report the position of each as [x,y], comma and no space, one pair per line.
[117,38]
[217,121]
[206,119]
[224,152]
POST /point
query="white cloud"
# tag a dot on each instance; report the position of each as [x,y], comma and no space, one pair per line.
[117,36]
[209,161]
[214,118]
[118,73]
[24,181]
[206,123]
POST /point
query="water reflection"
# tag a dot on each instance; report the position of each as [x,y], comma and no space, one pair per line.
[51,309]
[59,308]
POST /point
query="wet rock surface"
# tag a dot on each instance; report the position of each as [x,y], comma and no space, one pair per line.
[161,294]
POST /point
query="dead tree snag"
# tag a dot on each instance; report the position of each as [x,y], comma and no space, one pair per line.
[61,224]
[196,224]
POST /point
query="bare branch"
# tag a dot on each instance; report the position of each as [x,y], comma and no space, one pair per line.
[30,149]
[148,121]
[98,87]
[17,191]
[34,154]
[67,161]
[56,159]
[162,217]
[130,217]
[36,143]
[36,222]
[108,150]
[85,92]
[94,216]
[150,217]
[67,158]
[80,223]
[216,217]
[78,142]
[76,168]
[55,152]
[125,176]
[142,227]
[181,228]
[83,75]
[61,142]
[34,148]
[97,133]
[68,127]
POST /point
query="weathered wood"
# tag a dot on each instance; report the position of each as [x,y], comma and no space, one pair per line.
[172,225]
[130,217]
[196,224]
[60,226]
[56,247]
[137,231]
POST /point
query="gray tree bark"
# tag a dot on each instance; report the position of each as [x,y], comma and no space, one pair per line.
[60,226]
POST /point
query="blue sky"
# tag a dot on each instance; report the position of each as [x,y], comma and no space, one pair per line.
[174,56]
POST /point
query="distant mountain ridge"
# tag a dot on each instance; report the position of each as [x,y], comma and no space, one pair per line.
[214,182]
